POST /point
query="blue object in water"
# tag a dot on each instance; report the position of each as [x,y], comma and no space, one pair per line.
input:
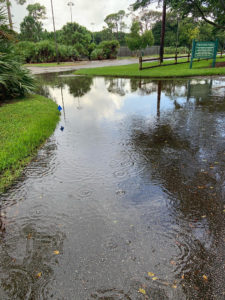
[59,108]
[62,128]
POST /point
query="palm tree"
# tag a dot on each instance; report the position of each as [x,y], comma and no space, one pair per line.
[8,7]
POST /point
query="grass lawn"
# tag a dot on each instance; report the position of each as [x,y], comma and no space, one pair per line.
[54,64]
[24,125]
[202,68]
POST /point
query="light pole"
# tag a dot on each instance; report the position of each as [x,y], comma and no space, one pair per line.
[56,45]
[71,4]
[93,37]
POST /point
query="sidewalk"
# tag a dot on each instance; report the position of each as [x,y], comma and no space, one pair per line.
[83,65]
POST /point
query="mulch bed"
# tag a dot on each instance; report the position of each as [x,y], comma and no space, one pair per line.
[220,64]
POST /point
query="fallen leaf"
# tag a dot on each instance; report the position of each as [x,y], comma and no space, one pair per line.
[211,167]
[205,277]
[155,278]
[211,187]
[142,291]
[173,262]
[182,276]
[200,187]
[174,286]
[29,236]
[56,252]
[151,274]
[39,275]
[203,217]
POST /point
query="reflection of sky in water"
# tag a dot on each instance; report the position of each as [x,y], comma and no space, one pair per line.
[118,195]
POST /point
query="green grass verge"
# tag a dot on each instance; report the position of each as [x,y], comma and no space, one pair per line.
[63,64]
[202,68]
[24,125]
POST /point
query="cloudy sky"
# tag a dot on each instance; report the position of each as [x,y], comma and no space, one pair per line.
[85,12]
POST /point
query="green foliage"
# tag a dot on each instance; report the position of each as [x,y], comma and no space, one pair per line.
[31,29]
[26,50]
[109,48]
[90,49]
[172,50]
[180,70]
[138,41]
[115,21]
[24,126]
[44,51]
[15,81]
[97,54]
[73,33]
[37,11]
[107,35]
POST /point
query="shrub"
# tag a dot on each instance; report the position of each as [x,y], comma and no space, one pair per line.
[97,54]
[26,50]
[44,51]
[67,53]
[109,48]
[15,81]
[81,49]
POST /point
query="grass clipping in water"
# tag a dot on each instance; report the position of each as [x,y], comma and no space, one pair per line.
[24,125]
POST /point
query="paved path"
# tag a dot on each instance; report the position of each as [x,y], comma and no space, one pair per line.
[82,65]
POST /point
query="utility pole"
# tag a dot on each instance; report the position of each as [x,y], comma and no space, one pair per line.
[56,45]
[71,4]
[163,31]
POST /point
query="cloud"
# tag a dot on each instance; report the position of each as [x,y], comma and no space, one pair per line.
[85,12]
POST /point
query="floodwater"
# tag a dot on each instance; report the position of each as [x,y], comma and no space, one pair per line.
[127,201]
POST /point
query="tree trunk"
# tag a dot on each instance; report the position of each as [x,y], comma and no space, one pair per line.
[163,31]
[8,5]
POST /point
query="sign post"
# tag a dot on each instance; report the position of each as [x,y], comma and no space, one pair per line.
[204,50]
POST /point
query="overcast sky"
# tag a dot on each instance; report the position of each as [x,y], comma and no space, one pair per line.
[85,12]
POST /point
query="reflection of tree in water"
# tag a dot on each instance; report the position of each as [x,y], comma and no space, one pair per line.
[78,86]
[116,85]
[143,86]
[175,150]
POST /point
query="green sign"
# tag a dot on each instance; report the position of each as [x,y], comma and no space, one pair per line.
[204,50]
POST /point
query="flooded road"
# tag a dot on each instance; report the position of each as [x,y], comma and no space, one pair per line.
[126,199]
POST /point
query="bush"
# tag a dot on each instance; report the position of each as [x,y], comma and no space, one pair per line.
[45,51]
[97,54]
[172,50]
[15,81]
[26,50]
[68,53]
[109,48]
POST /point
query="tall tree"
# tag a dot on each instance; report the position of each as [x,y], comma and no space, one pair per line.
[37,11]
[211,11]
[115,22]
[8,6]
[137,41]
[31,27]
[144,3]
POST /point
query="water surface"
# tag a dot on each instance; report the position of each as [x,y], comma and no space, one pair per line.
[127,199]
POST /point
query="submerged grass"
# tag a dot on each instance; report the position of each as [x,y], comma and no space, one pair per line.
[201,68]
[24,125]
